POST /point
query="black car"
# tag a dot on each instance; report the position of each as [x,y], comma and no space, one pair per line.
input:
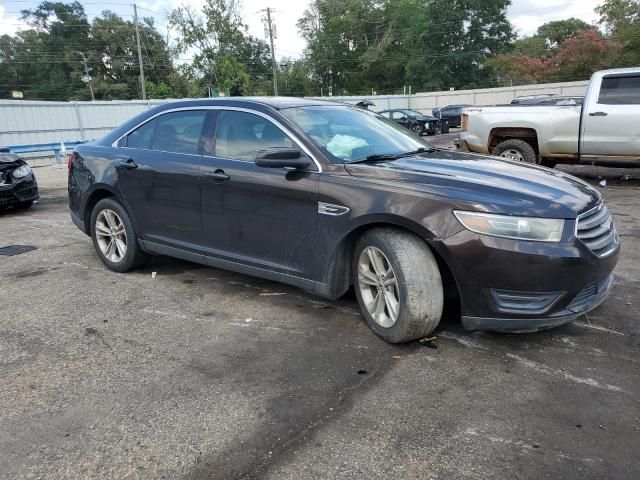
[452,114]
[18,186]
[414,121]
[327,196]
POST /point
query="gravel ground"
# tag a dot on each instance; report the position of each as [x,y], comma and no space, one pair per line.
[201,373]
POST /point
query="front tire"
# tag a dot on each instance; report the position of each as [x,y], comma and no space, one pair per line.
[515,149]
[417,129]
[114,237]
[398,284]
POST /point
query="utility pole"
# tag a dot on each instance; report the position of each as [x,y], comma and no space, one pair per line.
[273,53]
[87,77]
[135,18]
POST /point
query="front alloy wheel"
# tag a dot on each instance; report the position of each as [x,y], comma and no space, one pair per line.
[111,235]
[378,286]
[417,129]
[398,285]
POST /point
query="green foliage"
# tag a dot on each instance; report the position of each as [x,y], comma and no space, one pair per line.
[555,33]
[354,46]
[531,46]
[576,58]
[47,62]
[622,20]
[224,55]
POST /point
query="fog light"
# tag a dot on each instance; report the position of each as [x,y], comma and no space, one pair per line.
[524,302]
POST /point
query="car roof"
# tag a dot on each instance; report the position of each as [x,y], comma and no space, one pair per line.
[278,103]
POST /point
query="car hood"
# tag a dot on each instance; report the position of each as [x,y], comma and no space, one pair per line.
[484,183]
[425,118]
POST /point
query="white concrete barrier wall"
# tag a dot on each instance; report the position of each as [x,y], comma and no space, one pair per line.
[426,101]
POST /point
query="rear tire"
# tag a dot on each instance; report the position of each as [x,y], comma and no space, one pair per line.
[515,149]
[114,237]
[408,274]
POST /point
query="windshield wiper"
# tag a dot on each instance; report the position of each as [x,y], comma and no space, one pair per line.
[415,152]
[376,157]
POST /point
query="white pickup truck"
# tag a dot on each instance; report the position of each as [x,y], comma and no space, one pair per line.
[607,125]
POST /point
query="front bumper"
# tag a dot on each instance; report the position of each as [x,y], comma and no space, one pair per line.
[585,302]
[21,191]
[574,279]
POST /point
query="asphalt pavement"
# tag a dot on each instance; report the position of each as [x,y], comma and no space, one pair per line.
[200,373]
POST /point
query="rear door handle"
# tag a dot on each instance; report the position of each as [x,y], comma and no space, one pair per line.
[127,164]
[218,176]
[598,114]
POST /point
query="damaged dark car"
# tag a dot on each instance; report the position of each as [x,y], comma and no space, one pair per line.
[329,197]
[18,186]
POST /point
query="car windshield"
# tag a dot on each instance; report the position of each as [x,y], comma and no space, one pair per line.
[413,112]
[348,134]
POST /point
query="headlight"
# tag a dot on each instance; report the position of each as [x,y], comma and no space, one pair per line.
[426,124]
[506,226]
[21,172]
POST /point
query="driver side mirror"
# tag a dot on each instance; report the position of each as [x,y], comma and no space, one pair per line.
[276,157]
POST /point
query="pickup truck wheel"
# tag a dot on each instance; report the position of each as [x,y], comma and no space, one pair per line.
[515,149]
[114,237]
[398,284]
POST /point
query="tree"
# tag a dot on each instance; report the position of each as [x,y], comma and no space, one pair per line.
[47,62]
[534,46]
[114,59]
[225,55]
[622,21]
[576,58]
[555,33]
[61,31]
[586,52]
[353,46]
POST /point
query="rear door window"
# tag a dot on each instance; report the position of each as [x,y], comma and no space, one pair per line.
[179,132]
[620,90]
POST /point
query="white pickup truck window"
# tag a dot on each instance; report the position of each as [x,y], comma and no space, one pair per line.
[620,90]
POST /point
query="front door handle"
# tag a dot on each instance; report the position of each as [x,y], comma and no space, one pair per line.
[218,176]
[598,114]
[127,164]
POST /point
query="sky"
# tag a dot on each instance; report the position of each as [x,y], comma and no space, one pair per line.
[526,15]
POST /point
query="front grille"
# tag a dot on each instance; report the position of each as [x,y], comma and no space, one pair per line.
[596,230]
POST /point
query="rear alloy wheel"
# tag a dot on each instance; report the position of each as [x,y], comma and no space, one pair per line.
[515,149]
[398,284]
[417,129]
[114,237]
[111,235]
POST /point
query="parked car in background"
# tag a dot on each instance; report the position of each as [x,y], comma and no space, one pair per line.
[548,100]
[327,196]
[415,121]
[451,113]
[18,186]
[606,125]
